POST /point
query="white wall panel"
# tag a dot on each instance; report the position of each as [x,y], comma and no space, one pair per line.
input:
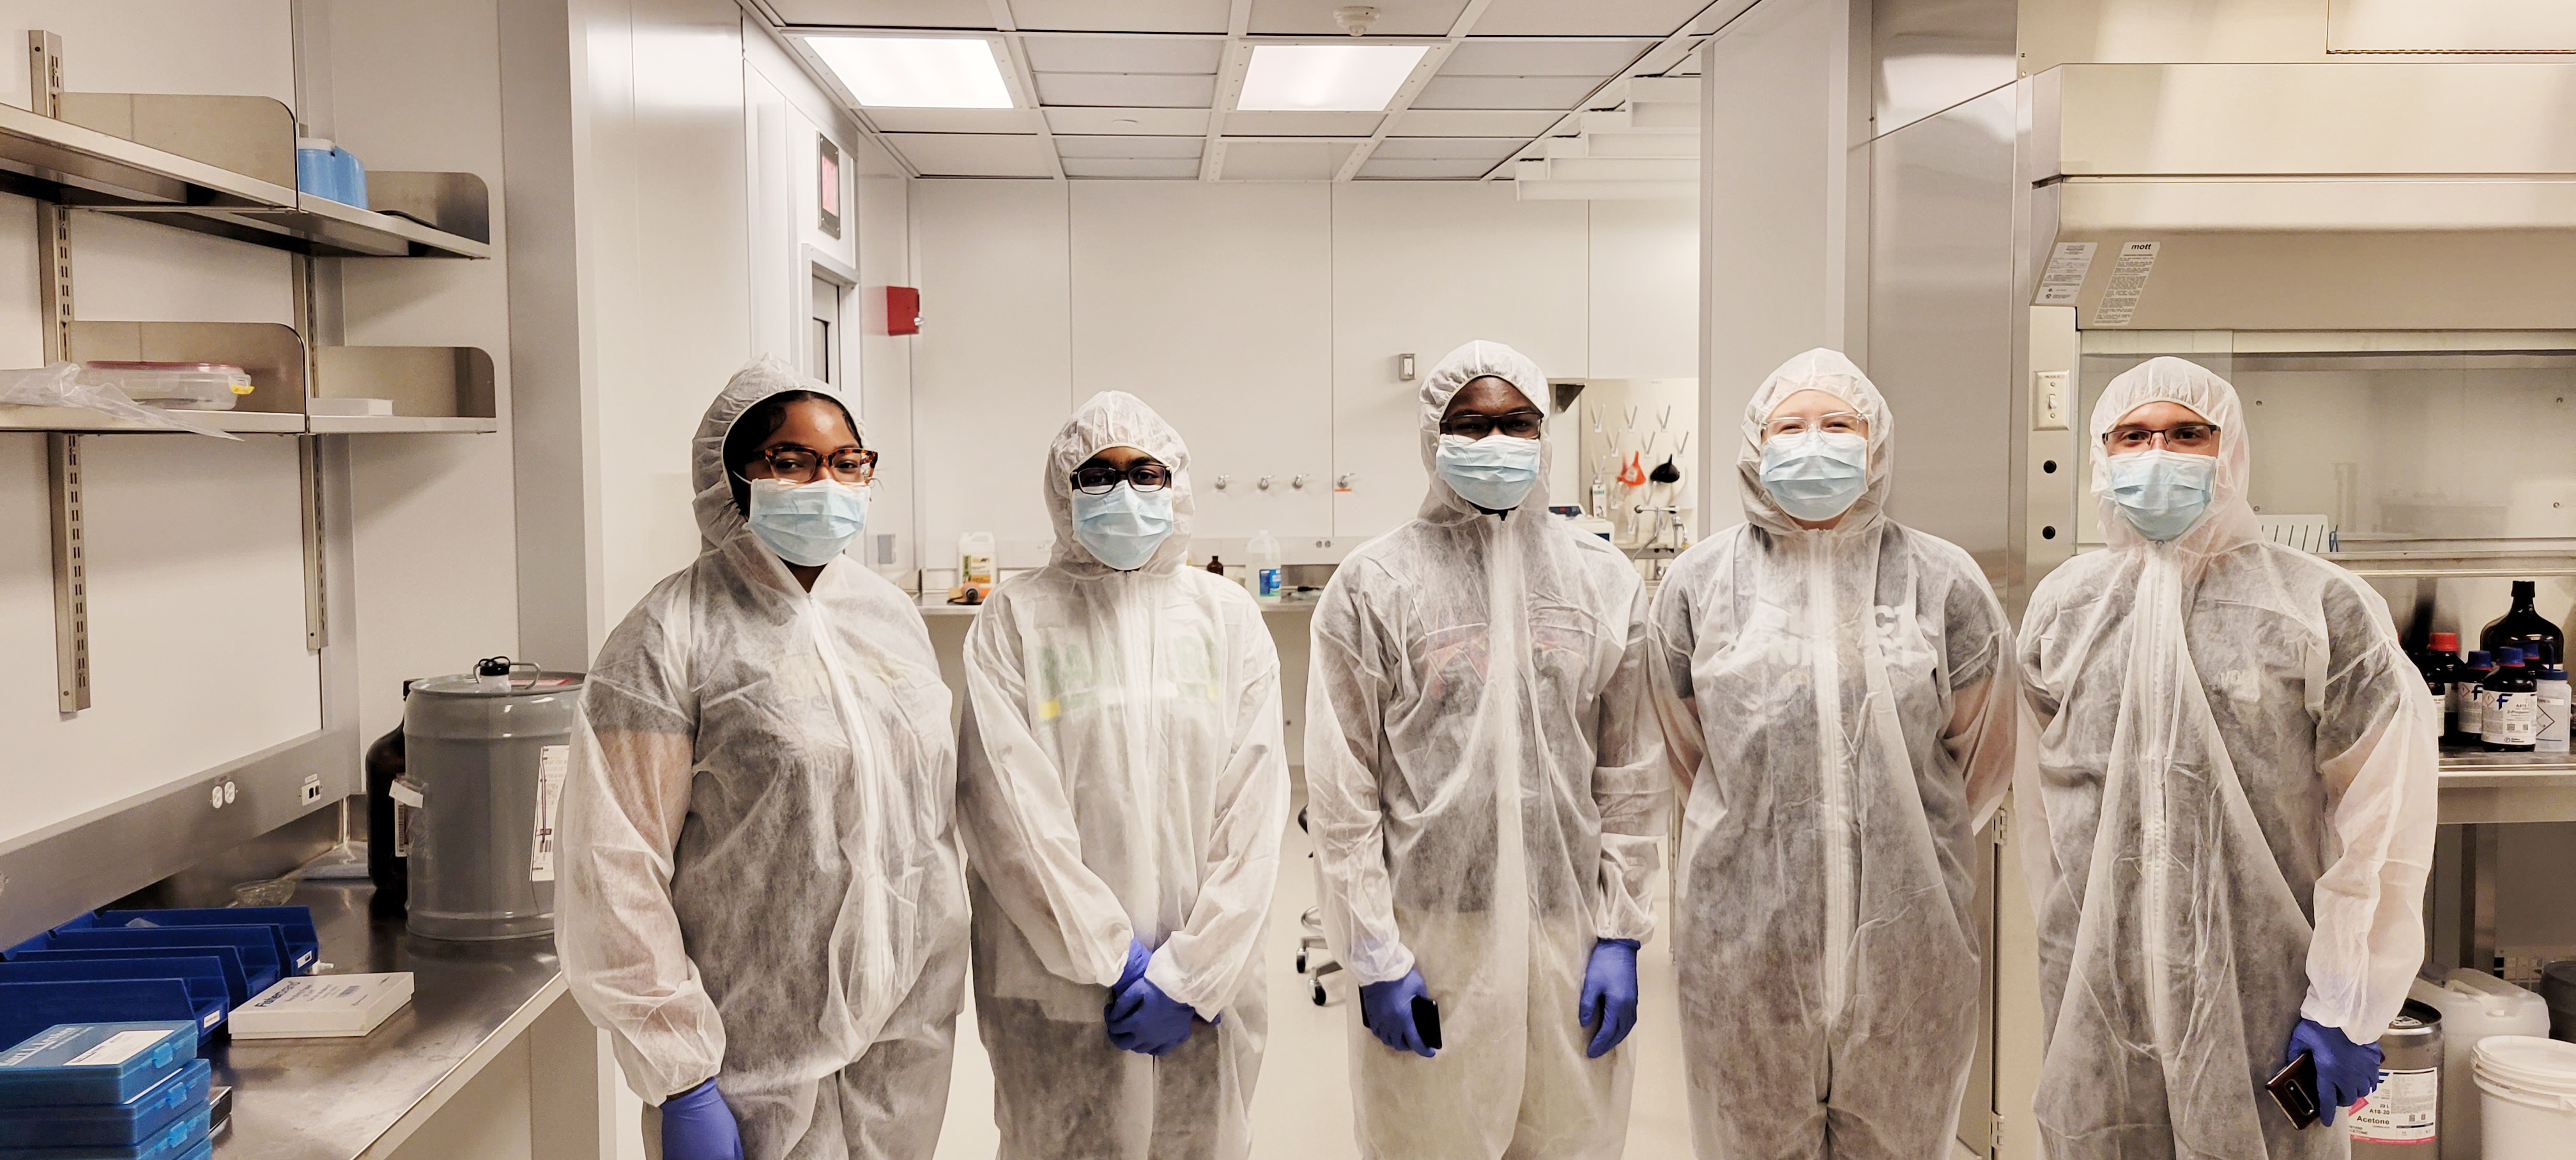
[1644,286]
[1214,305]
[992,369]
[130,270]
[881,214]
[202,47]
[1423,268]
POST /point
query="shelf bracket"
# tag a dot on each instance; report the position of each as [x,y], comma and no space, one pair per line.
[317,620]
[71,573]
[44,73]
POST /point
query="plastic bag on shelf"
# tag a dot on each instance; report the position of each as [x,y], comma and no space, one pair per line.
[64,384]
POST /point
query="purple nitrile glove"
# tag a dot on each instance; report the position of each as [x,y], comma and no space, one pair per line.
[1609,994]
[2346,1071]
[696,1125]
[1386,1009]
[1147,1021]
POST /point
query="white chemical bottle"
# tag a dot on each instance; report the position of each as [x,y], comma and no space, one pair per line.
[2552,737]
[1265,566]
[975,558]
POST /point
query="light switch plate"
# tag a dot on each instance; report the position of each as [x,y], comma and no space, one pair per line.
[2048,401]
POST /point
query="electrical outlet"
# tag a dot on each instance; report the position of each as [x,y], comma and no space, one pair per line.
[2048,403]
[312,791]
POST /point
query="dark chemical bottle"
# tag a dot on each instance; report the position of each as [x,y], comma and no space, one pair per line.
[388,823]
[2509,705]
[2524,628]
[2464,700]
[2436,660]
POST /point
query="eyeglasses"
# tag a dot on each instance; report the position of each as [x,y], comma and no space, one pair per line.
[1839,422]
[1518,425]
[2179,437]
[799,465]
[1146,476]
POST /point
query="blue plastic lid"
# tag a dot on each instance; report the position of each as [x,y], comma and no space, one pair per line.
[2508,657]
[94,1062]
[2477,659]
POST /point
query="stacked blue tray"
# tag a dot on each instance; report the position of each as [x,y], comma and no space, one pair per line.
[106,1091]
[153,964]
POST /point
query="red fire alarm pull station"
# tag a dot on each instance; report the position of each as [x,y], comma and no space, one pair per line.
[903,310]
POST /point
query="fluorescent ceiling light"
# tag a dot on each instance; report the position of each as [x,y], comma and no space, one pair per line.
[1336,78]
[916,72]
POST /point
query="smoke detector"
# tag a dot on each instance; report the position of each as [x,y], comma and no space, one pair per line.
[1355,19]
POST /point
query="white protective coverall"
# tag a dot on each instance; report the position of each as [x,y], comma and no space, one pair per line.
[1839,703]
[761,879]
[2233,785]
[1486,787]
[1121,775]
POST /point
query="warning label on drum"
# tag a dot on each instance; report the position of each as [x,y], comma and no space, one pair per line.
[553,761]
[2403,1111]
[2128,281]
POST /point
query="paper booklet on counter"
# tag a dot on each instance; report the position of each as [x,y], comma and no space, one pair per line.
[314,1006]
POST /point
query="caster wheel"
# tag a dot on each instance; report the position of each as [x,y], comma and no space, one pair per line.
[1316,989]
[1301,962]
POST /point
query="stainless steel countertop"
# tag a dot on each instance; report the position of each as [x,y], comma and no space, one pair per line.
[936,604]
[338,1099]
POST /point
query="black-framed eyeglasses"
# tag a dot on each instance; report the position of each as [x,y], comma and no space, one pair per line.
[1101,480]
[1518,425]
[2179,437]
[801,465]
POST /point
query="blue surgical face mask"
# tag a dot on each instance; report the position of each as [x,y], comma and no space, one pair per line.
[2161,492]
[807,523]
[1123,527]
[1493,473]
[1816,475]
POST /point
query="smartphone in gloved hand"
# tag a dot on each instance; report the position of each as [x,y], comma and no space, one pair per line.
[1426,1019]
[2294,1089]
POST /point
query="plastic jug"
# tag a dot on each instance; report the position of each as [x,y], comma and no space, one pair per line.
[2475,1006]
[975,558]
[1265,566]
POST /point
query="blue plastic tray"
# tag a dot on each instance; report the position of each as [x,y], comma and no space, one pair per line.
[227,962]
[184,1139]
[27,1009]
[298,943]
[202,975]
[93,1063]
[126,1124]
[257,944]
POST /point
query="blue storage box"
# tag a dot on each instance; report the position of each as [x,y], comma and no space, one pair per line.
[27,1009]
[184,1138]
[227,962]
[261,967]
[93,1063]
[202,975]
[298,943]
[125,1125]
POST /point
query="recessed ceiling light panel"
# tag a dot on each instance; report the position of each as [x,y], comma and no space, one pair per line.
[916,72]
[1335,78]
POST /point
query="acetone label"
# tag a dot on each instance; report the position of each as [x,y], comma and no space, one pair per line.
[553,762]
[2403,1111]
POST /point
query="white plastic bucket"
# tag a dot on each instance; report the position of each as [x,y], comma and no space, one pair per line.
[2529,1099]
[2475,1007]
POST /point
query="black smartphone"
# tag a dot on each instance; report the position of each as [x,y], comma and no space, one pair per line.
[2294,1088]
[1426,1019]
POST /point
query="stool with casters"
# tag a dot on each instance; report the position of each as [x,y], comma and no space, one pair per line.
[1314,959]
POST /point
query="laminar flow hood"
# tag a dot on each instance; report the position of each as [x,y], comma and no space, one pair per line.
[2339,196]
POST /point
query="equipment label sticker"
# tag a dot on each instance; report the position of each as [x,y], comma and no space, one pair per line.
[117,1048]
[2128,281]
[2402,1111]
[2064,278]
[553,761]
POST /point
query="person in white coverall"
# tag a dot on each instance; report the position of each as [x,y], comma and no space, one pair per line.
[1123,793]
[1486,786]
[2232,787]
[762,896]
[1838,698]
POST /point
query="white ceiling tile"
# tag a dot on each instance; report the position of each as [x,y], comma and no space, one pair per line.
[1448,92]
[973,154]
[1270,123]
[1588,18]
[1163,168]
[1485,149]
[1284,160]
[1122,15]
[1542,58]
[889,13]
[1412,169]
[1071,147]
[1315,17]
[952,120]
[1473,122]
[1078,119]
[1153,90]
[1104,54]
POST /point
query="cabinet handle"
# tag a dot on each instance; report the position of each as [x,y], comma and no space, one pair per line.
[1298,482]
[1222,480]
[1265,482]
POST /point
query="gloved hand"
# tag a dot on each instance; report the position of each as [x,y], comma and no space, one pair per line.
[696,1125]
[1386,1009]
[1145,1020]
[1609,994]
[1137,957]
[2346,1071]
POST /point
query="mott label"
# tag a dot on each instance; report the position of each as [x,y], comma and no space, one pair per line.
[2403,1111]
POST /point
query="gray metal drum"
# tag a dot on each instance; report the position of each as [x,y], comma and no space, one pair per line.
[488,767]
[2558,989]
[2401,1120]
